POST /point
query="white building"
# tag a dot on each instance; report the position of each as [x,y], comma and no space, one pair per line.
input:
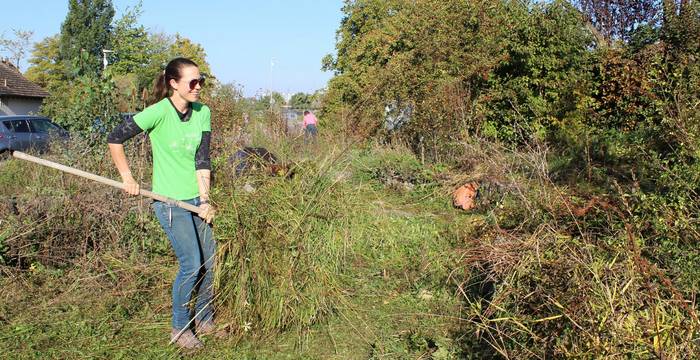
[18,96]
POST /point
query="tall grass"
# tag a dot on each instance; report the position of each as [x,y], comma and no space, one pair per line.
[280,251]
[295,250]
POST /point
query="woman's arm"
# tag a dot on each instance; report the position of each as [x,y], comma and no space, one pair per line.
[204,183]
[124,131]
[119,157]
[208,210]
[203,172]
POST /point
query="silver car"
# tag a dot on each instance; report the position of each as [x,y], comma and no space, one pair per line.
[23,132]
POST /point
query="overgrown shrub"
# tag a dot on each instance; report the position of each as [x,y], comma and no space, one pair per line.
[578,276]
[86,106]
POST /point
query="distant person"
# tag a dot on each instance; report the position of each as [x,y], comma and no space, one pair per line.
[309,125]
[179,128]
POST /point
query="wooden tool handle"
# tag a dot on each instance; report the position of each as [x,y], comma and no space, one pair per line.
[104,180]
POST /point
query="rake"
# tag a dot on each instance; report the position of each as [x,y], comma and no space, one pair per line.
[104,180]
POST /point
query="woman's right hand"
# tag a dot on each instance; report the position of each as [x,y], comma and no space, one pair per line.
[131,187]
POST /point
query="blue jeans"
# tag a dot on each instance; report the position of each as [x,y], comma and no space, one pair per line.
[310,133]
[194,246]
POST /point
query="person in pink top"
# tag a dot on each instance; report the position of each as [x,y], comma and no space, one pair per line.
[309,125]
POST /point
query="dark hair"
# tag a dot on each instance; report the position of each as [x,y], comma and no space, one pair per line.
[306,112]
[161,86]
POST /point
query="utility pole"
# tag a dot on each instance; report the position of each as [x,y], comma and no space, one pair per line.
[272,65]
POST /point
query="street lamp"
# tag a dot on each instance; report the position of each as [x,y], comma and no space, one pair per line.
[104,58]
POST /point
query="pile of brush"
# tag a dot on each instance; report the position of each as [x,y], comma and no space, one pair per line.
[280,255]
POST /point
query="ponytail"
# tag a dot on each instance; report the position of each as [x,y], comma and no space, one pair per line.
[160,89]
[161,86]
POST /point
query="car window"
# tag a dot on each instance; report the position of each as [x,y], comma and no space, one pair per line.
[8,125]
[20,126]
[42,126]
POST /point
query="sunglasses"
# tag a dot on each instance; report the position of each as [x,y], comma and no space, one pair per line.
[194,82]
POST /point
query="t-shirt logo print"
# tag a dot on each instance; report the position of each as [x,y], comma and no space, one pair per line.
[186,145]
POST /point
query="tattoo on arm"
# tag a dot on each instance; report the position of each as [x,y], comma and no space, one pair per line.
[124,131]
[202,158]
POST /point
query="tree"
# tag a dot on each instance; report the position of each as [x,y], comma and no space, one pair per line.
[162,48]
[45,67]
[427,55]
[681,28]
[85,95]
[158,55]
[86,106]
[270,102]
[534,87]
[301,100]
[184,47]
[84,34]
[17,47]
[130,44]
[619,19]
[130,59]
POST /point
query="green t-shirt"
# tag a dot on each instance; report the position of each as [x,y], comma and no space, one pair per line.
[174,145]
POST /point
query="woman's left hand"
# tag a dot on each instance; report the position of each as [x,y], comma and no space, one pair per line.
[207,213]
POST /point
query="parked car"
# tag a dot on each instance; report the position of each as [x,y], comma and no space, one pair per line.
[23,132]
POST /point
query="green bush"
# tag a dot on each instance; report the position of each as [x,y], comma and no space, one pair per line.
[86,107]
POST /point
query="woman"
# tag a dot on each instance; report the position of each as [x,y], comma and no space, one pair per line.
[180,132]
[309,126]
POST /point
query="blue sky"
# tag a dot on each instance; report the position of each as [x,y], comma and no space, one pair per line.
[240,37]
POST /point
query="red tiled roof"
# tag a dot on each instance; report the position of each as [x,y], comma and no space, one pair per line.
[13,83]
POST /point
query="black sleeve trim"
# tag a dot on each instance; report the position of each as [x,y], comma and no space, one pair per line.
[124,131]
[202,161]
